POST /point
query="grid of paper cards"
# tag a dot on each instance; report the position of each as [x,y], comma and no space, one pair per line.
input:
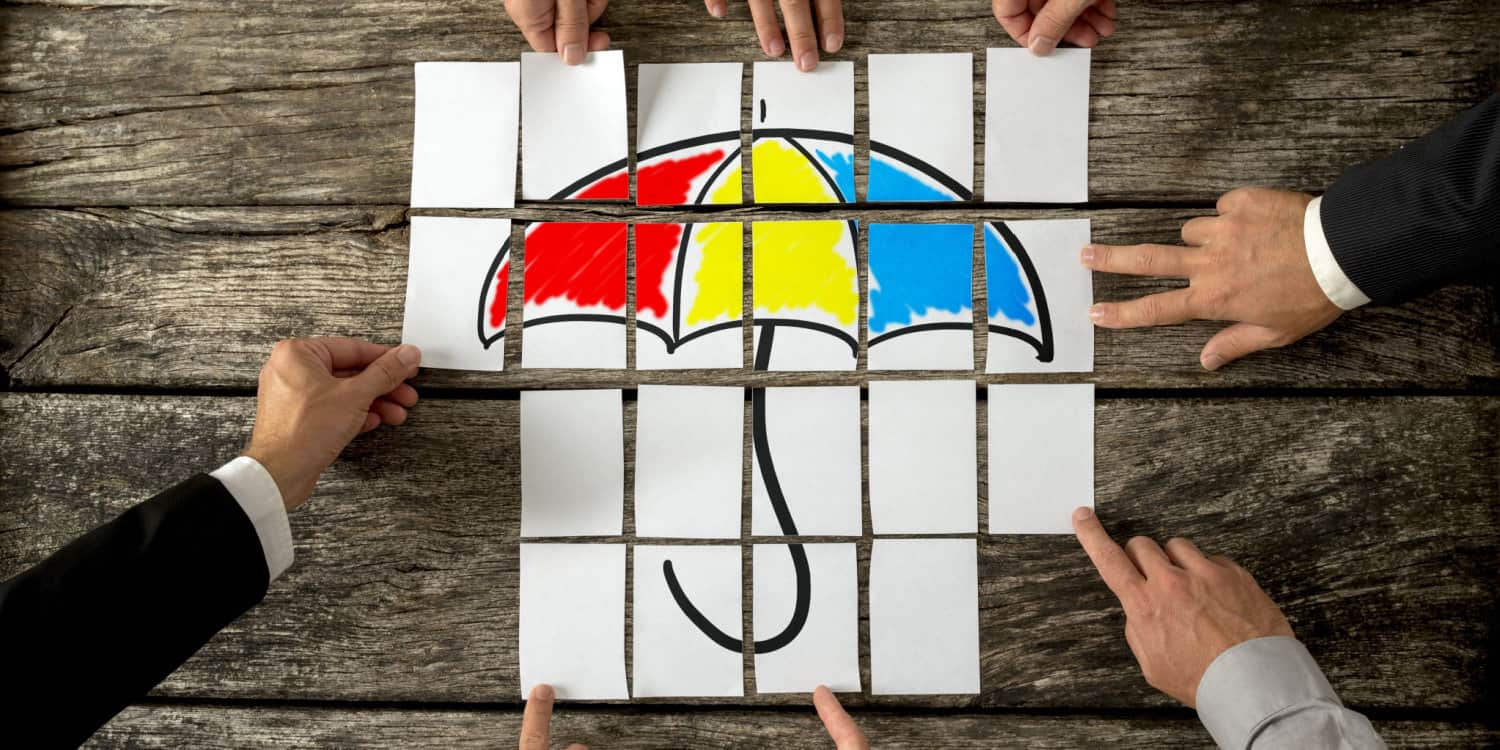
[758,496]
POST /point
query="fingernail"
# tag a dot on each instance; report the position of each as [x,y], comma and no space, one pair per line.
[1212,362]
[716,10]
[1087,256]
[1096,313]
[775,48]
[808,61]
[1083,513]
[541,693]
[409,355]
[832,43]
[572,53]
[1042,45]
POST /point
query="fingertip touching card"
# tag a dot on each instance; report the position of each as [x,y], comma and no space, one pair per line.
[464,136]
[672,656]
[574,289]
[805,290]
[573,128]
[457,276]
[1036,126]
[687,138]
[924,617]
[802,133]
[572,623]
[806,617]
[689,296]
[921,297]
[924,457]
[921,127]
[805,462]
[572,463]
[1041,456]
[689,461]
[1039,297]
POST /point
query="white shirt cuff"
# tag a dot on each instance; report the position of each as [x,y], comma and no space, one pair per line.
[1253,683]
[256,492]
[1340,290]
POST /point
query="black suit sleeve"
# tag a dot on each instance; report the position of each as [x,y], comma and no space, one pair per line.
[104,619]
[1425,215]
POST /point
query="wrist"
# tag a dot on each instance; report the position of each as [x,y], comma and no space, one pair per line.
[291,480]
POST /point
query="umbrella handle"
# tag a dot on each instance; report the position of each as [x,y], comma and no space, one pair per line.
[803,571]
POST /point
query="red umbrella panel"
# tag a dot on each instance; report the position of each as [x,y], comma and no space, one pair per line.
[574,294]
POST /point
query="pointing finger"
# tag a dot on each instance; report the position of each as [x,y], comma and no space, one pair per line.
[1164,309]
[536,722]
[841,727]
[1114,566]
[1138,260]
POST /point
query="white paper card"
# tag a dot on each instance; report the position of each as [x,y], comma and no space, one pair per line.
[464,138]
[921,127]
[813,437]
[455,326]
[1039,296]
[689,461]
[573,129]
[687,138]
[1036,126]
[924,617]
[826,650]
[572,463]
[802,128]
[573,620]
[924,471]
[1041,456]
[672,657]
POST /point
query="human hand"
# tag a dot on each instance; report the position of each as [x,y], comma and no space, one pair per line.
[1039,24]
[1181,609]
[315,396]
[560,26]
[841,727]
[800,29]
[1247,265]
[536,721]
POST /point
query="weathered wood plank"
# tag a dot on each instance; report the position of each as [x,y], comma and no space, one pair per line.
[244,102]
[195,297]
[1373,521]
[173,726]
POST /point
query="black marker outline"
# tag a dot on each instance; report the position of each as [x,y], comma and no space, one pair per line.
[484,292]
[592,177]
[574,318]
[770,324]
[953,185]
[697,140]
[1044,347]
[950,325]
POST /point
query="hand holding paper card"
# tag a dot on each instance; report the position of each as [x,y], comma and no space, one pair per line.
[573,129]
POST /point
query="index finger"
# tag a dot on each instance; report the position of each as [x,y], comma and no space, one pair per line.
[351,353]
[1114,566]
[536,722]
[840,725]
[1139,260]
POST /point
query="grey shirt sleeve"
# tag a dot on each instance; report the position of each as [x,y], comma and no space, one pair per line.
[1269,693]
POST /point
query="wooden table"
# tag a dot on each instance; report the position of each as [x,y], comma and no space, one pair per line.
[185,183]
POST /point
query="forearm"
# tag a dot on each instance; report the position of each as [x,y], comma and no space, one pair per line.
[101,621]
[1427,214]
[1269,693]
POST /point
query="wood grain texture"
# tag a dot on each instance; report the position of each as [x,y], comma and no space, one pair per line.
[172,726]
[194,298]
[243,102]
[1372,521]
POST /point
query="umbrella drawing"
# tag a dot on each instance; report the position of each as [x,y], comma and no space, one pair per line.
[797,265]
[1017,301]
[492,298]
[798,165]
[897,176]
[610,182]
[704,170]
[689,284]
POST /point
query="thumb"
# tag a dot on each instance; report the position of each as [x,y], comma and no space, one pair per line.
[384,374]
[1052,21]
[1236,341]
